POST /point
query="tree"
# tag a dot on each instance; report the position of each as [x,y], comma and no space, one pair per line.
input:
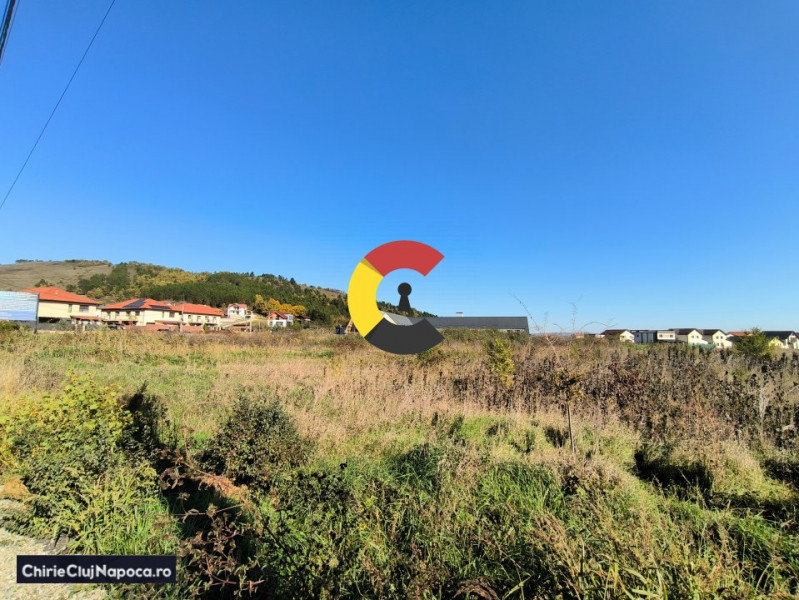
[754,345]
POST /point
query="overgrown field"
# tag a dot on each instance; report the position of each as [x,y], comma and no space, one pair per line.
[307,465]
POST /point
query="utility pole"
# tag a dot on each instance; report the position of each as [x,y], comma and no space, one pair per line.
[5,26]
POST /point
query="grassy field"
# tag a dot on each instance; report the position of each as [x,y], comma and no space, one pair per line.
[302,464]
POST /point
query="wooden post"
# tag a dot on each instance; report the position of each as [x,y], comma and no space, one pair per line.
[571,434]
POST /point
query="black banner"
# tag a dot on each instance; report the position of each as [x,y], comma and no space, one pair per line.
[96,569]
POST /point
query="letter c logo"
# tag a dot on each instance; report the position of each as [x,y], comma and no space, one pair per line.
[362,297]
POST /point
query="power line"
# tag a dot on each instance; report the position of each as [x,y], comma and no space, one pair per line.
[57,104]
[5,26]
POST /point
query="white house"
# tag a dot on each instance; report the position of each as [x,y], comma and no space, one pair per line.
[623,335]
[237,311]
[787,340]
[279,319]
[717,337]
[692,337]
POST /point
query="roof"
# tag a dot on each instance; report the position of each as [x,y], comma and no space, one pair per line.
[710,331]
[198,309]
[237,306]
[54,294]
[477,322]
[684,331]
[280,315]
[739,333]
[397,319]
[782,335]
[139,304]
[615,331]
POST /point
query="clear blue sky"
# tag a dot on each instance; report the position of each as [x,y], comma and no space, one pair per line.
[639,159]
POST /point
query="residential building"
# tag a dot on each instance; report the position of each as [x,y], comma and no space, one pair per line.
[692,337]
[200,315]
[717,337]
[57,305]
[623,335]
[237,311]
[140,312]
[787,340]
[654,336]
[279,319]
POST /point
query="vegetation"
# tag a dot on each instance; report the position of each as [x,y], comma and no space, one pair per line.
[754,345]
[304,465]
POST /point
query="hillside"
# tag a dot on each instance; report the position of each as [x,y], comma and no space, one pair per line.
[27,273]
[107,282]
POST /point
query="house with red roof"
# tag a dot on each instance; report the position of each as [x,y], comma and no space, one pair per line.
[156,315]
[237,311]
[279,319]
[140,312]
[200,315]
[57,305]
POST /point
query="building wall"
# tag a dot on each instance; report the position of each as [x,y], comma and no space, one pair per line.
[694,338]
[209,320]
[64,310]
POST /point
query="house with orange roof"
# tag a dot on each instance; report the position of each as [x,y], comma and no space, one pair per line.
[237,311]
[140,312]
[156,315]
[200,315]
[279,319]
[56,305]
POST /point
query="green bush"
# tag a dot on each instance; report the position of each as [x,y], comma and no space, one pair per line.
[500,360]
[257,441]
[62,444]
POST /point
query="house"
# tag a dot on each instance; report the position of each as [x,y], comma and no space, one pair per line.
[279,319]
[237,311]
[200,315]
[654,336]
[140,312]
[787,340]
[163,316]
[692,337]
[623,335]
[57,305]
[717,338]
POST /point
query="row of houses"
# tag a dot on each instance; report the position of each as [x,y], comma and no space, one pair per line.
[57,305]
[716,338]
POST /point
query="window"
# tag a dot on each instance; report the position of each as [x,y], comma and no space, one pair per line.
[84,308]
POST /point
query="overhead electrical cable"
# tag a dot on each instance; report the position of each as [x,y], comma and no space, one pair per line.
[57,104]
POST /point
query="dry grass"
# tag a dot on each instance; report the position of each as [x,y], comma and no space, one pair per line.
[59,273]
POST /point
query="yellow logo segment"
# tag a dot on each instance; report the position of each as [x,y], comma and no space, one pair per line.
[362,297]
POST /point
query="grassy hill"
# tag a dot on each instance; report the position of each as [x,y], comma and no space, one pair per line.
[61,273]
[109,282]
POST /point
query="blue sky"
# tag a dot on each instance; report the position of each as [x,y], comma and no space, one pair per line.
[639,160]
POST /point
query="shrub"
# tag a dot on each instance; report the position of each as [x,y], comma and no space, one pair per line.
[257,440]
[500,360]
[62,444]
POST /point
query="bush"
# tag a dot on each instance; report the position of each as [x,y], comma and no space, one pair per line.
[9,326]
[62,444]
[258,440]
[500,360]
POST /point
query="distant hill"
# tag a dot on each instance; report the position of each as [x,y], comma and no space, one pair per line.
[27,273]
[109,282]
